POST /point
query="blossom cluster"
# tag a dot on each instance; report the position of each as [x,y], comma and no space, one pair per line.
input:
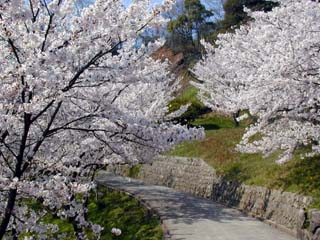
[116,231]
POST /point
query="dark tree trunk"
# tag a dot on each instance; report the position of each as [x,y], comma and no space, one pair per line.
[8,212]
[14,232]
[18,173]
[235,116]
[78,231]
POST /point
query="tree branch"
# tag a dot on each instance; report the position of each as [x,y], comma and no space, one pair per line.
[87,65]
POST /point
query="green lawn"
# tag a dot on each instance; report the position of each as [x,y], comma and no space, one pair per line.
[218,150]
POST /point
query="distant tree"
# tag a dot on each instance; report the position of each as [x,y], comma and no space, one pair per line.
[188,24]
[197,15]
[235,15]
[181,27]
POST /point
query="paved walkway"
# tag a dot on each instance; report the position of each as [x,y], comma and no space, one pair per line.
[191,218]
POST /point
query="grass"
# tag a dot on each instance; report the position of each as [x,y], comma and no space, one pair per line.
[133,172]
[114,209]
[109,209]
[218,150]
[65,231]
[188,96]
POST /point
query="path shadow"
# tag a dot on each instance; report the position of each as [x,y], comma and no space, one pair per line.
[192,218]
[170,204]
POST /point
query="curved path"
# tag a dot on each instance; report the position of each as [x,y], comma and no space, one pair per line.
[191,218]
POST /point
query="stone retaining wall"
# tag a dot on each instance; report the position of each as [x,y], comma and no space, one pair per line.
[282,209]
[187,175]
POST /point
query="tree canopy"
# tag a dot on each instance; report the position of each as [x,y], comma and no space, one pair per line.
[76,95]
[270,67]
[234,14]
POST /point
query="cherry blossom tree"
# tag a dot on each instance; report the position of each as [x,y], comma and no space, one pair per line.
[271,66]
[76,94]
[219,87]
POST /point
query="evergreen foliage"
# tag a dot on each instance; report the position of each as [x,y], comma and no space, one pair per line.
[186,28]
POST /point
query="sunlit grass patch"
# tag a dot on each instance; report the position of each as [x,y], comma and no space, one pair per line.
[218,150]
[188,96]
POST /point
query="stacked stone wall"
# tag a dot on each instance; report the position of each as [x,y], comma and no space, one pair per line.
[192,175]
[185,174]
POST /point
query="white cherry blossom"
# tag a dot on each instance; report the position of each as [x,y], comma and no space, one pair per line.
[76,94]
[270,66]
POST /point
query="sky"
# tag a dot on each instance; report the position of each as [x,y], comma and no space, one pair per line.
[217,4]
[153,2]
[209,4]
